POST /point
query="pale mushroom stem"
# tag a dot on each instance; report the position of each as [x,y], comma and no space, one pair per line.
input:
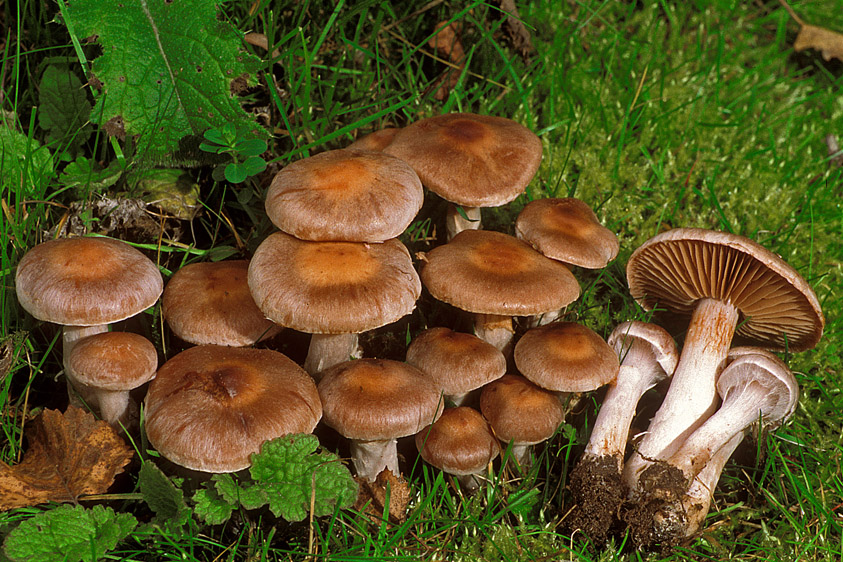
[78,394]
[520,452]
[469,482]
[456,223]
[611,428]
[327,350]
[692,396]
[740,409]
[116,407]
[496,330]
[370,458]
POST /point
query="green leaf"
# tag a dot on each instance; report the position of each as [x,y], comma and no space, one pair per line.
[162,496]
[64,107]
[167,69]
[211,507]
[254,165]
[172,190]
[250,147]
[25,166]
[83,175]
[68,534]
[292,471]
[235,173]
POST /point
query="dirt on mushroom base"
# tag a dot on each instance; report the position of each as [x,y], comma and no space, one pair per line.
[598,494]
[657,516]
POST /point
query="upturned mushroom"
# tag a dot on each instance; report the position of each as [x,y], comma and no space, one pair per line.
[729,286]
[469,160]
[459,363]
[459,443]
[210,407]
[756,388]
[496,277]
[648,355]
[373,402]
[85,284]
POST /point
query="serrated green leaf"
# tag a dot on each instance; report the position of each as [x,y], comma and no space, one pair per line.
[253,496]
[64,107]
[292,471]
[162,496]
[211,507]
[166,70]
[85,176]
[25,166]
[235,173]
[68,534]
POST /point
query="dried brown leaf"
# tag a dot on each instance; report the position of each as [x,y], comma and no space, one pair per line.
[829,43]
[446,43]
[516,30]
[70,455]
[372,497]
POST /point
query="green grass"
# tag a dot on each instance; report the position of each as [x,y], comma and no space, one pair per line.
[657,114]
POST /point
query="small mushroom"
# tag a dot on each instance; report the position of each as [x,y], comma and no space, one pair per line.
[496,277]
[521,414]
[469,160]
[373,402]
[459,363]
[110,365]
[460,443]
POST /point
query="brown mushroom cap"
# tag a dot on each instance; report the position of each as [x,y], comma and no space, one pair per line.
[378,399]
[566,357]
[458,362]
[86,281]
[113,361]
[492,273]
[210,406]
[674,270]
[210,303]
[468,159]
[332,287]
[460,442]
[566,229]
[345,195]
[520,411]
[376,140]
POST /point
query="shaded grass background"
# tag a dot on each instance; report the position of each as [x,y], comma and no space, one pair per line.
[657,114]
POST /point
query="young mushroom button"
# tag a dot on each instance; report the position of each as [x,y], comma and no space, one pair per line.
[373,402]
[210,407]
[729,286]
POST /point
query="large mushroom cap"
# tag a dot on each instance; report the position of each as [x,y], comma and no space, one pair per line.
[378,399]
[210,406]
[566,357]
[566,229]
[86,281]
[113,361]
[332,287]
[468,159]
[492,273]
[349,195]
[210,303]
[520,411]
[458,362]
[676,269]
[460,442]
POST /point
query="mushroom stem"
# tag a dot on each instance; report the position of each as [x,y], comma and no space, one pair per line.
[116,408]
[456,223]
[520,452]
[370,458]
[327,350]
[79,395]
[495,329]
[692,395]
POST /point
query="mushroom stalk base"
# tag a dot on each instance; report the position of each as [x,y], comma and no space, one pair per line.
[327,350]
[370,458]
[456,223]
[692,396]
[117,408]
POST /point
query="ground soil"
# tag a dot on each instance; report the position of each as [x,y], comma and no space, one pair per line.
[597,494]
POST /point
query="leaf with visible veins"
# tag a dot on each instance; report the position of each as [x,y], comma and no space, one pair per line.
[69,455]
